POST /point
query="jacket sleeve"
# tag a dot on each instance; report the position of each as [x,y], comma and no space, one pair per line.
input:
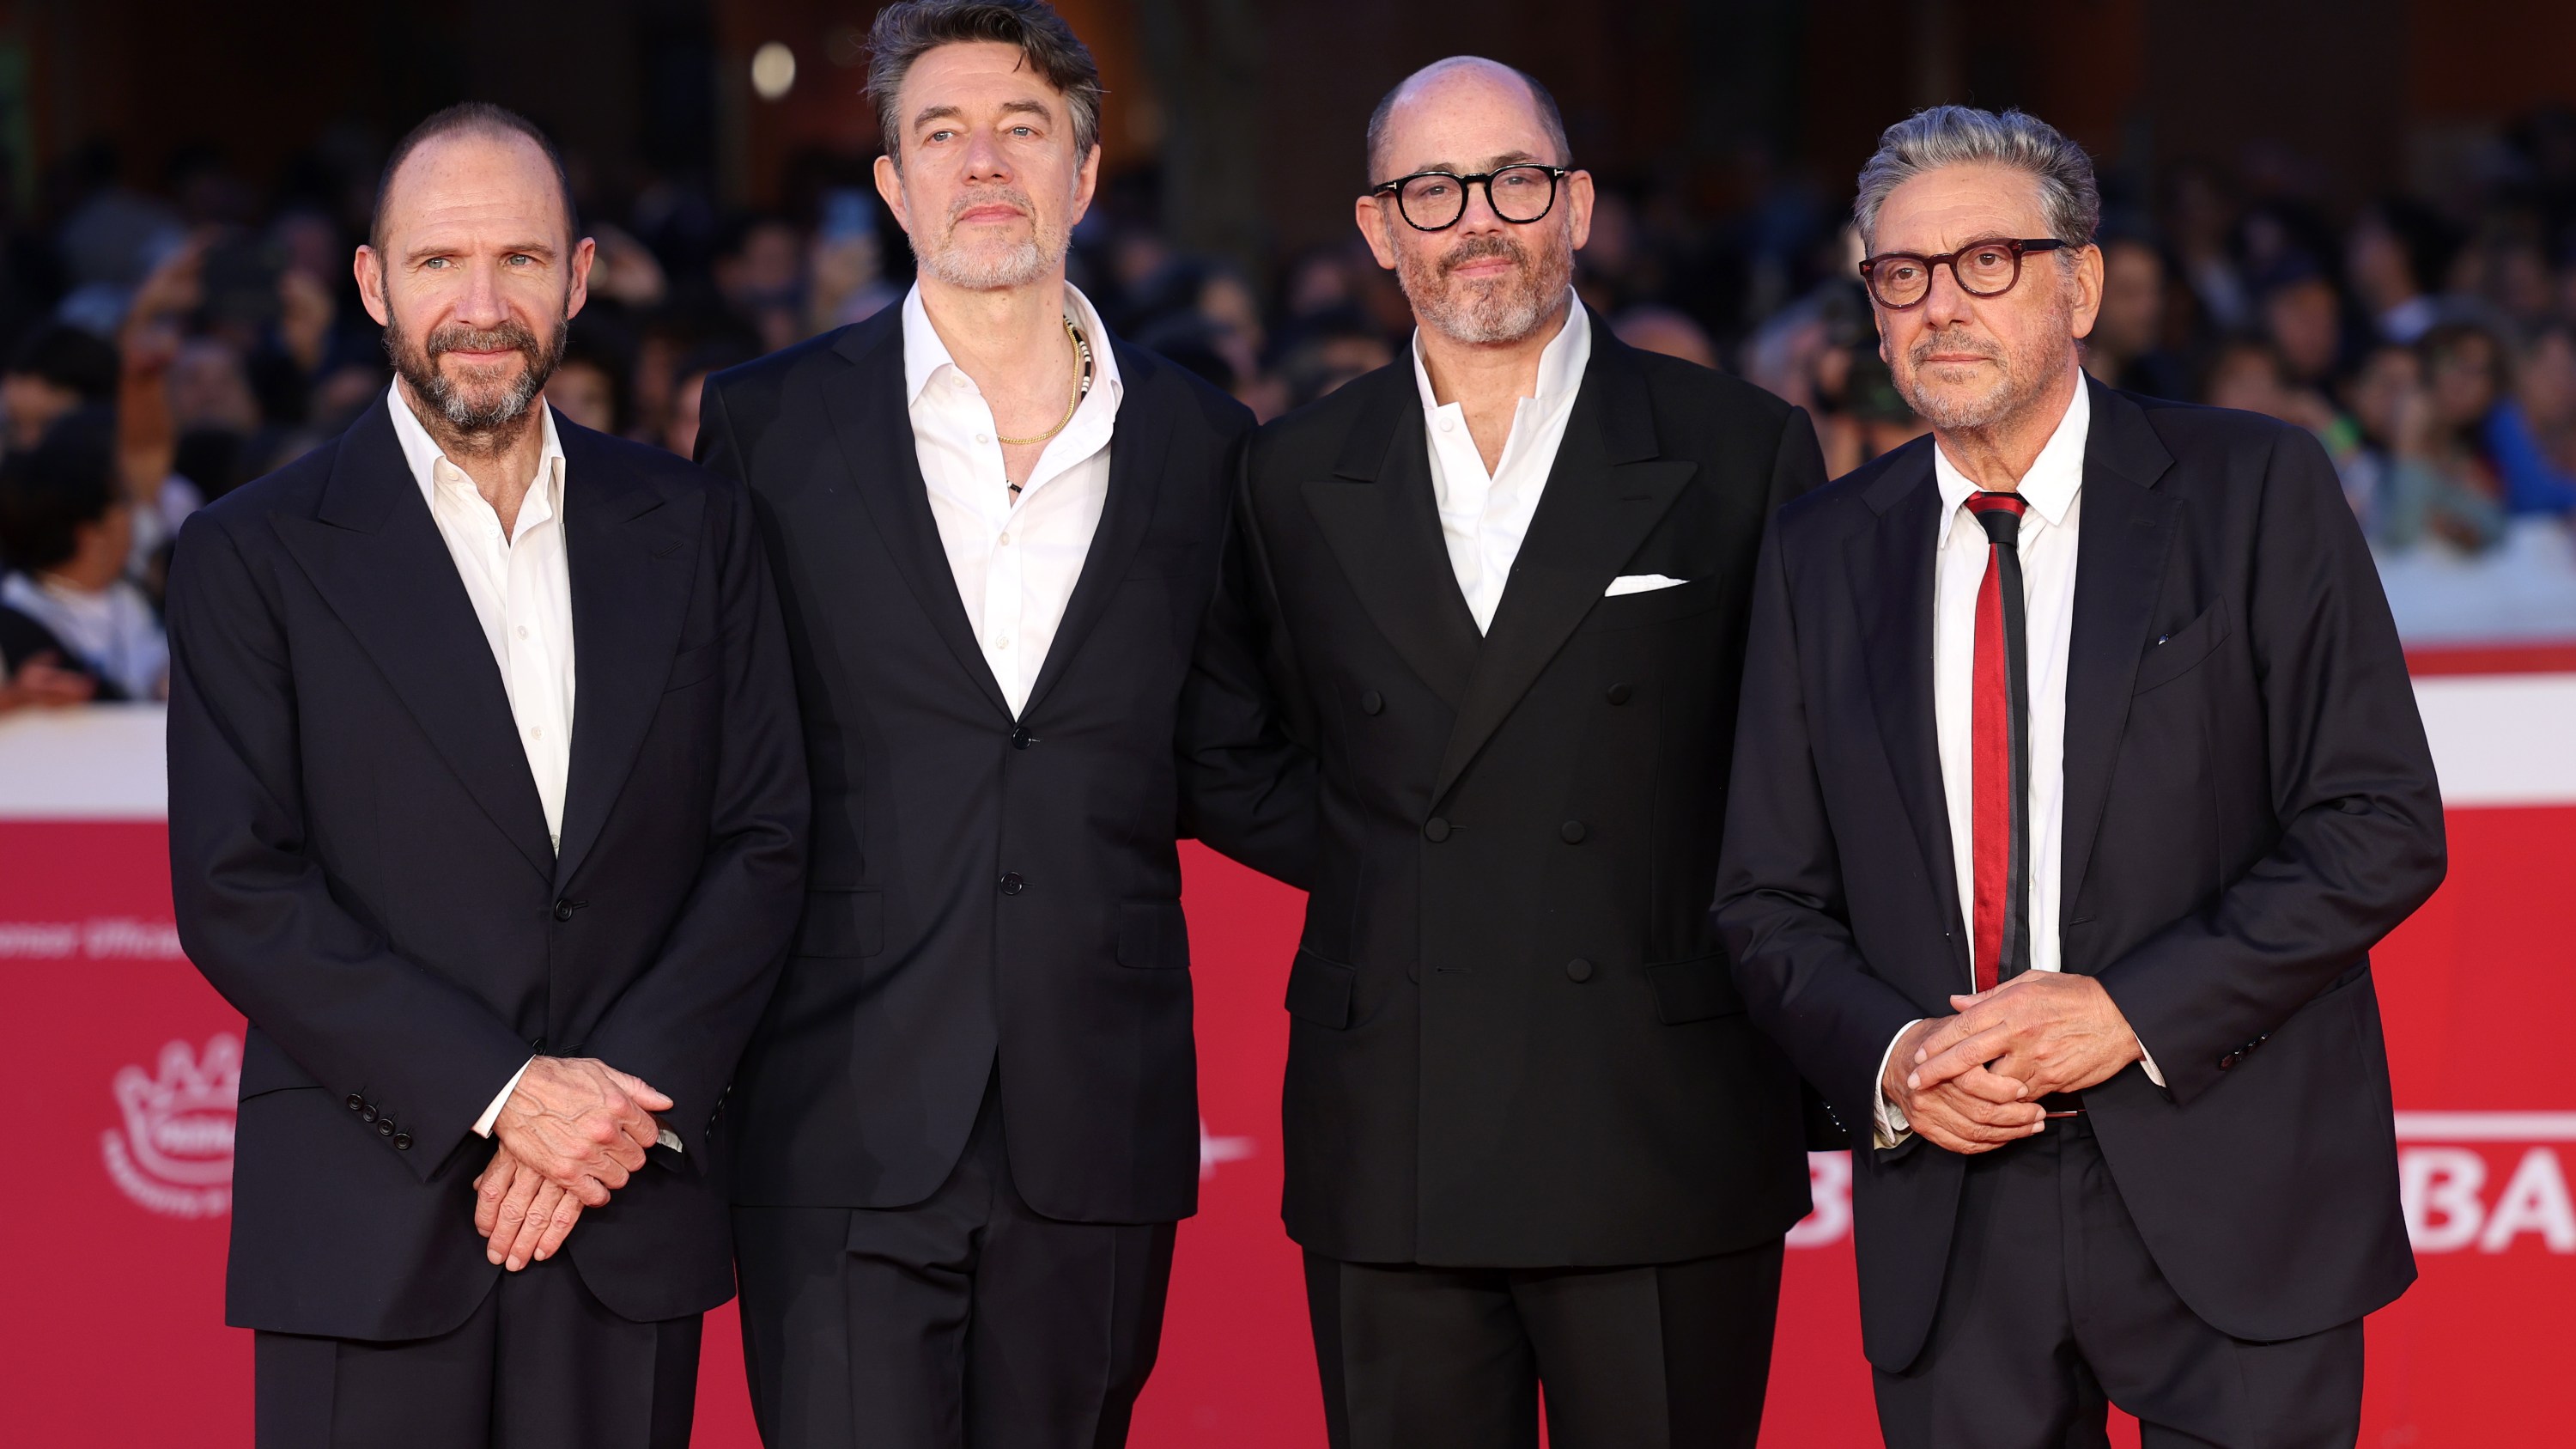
[255,908]
[683,1024]
[2360,814]
[1780,903]
[1249,785]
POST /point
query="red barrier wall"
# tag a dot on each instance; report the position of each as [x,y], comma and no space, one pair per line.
[112,1254]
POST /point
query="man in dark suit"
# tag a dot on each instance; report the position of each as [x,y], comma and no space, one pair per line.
[969,1122]
[455,906]
[1499,591]
[2078,772]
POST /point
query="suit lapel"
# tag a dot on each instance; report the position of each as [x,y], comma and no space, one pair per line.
[1891,577]
[873,423]
[2121,544]
[376,557]
[1605,492]
[631,567]
[1378,516]
[1137,447]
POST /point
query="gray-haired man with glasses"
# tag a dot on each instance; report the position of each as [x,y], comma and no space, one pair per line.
[1499,592]
[2077,775]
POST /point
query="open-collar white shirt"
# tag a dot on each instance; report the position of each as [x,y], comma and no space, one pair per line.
[1015,560]
[1485,517]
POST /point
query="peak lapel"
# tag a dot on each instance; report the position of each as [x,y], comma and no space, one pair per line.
[376,557]
[1137,448]
[2120,552]
[1891,574]
[1380,520]
[632,569]
[873,424]
[1605,493]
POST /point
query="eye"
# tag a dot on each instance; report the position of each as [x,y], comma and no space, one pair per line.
[437,264]
[522,260]
[1022,131]
[940,135]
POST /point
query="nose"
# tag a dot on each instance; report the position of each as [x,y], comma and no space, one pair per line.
[1945,301]
[985,160]
[1479,215]
[479,304]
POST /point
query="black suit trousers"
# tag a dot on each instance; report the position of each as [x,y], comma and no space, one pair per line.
[1661,1356]
[541,1364]
[966,1320]
[2052,1308]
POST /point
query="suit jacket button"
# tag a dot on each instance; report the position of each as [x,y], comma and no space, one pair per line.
[1435,829]
[366,1113]
[1572,831]
[356,1103]
[384,1126]
[1619,693]
[563,910]
[1578,969]
[1021,739]
[402,1142]
[1371,702]
[2227,1061]
[1012,884]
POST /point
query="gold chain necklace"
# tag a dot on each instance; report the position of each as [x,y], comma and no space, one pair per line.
[1081,390]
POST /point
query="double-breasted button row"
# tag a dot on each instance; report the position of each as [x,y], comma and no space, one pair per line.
[383,1122]
[1619,693]
[1578,970]
[1372,702]
[1435,830]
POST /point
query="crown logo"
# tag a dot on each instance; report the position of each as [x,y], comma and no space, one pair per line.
[173,1151]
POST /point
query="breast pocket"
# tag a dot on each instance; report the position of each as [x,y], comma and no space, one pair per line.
[1654,606]
[2177,652]
[691,666]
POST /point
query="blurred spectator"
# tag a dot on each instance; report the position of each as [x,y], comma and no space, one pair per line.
[2392,258]
[2303,317]
[59,368]
[589,384]
[65,529]
[760,272]
[2125,349]
[1661,329]
[680,430]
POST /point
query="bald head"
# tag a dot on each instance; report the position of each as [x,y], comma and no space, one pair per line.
[1408,120]
[474,136]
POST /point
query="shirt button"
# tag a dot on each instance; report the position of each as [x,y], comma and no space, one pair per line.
[536,732]
[523,631]
[1001,641]
[1006,540]
[983,437]
[1448,426]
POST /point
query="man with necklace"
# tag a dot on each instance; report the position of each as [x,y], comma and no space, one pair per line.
[969,1124]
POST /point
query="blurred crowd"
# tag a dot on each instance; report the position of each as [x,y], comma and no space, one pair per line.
[162,345]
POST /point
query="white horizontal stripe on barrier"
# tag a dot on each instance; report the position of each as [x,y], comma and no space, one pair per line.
[2486,1126]
[96,762]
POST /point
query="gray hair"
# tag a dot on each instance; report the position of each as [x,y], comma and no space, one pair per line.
[903,33]
[1965,136]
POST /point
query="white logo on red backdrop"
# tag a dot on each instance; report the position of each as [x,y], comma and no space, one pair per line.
[173,1154]
[1213,1150]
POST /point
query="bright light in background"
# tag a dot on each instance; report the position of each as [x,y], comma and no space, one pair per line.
[773,70]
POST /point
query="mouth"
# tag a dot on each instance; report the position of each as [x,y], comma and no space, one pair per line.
[988,215]
[1484,267]
[480,359]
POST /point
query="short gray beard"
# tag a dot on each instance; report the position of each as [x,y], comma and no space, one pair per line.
[1020,266]
[1507,309]
[2023,382]
[501,416]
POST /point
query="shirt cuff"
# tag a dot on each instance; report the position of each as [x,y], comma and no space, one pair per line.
[2148,1061]
[491,1114]
[1890,1129]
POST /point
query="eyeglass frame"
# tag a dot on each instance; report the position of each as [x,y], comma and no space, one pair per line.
[1466,186]
[2020,246]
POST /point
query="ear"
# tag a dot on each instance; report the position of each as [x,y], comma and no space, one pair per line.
[889,178]
[1578,199]
[369,265]
[1086,182]
[577,292]
[1375,218]
[2087,281]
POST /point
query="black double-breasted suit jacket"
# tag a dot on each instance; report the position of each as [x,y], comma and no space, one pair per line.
[2249,806]
[1514,1037]
[360,863]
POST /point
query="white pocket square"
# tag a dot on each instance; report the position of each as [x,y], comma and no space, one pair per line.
[1639,584]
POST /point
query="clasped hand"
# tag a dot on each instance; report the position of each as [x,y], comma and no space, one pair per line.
[573,1131]
[1972,1082]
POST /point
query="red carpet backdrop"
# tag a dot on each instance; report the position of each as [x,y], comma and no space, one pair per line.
[124,1063]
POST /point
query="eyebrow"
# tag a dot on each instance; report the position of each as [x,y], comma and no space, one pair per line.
[542,251]
[928,114]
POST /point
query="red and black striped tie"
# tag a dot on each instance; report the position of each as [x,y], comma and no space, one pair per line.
[2000,766]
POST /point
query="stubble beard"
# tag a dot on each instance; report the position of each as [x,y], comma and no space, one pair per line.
[981,270]
[2022,379]
[1500,309]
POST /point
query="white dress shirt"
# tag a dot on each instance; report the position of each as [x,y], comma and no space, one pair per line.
[1485,516]
[1015,559]
[521,589]
[2054,489]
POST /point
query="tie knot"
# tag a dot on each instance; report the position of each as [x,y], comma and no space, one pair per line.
[2000,515]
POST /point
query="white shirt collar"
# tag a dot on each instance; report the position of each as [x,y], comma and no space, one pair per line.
[1560,363]
[422,452]
[924,354]
[2055,476]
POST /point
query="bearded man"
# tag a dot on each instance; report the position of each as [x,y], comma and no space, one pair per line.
[2078,773]
[970,1122]
[487,808]
[1498,592]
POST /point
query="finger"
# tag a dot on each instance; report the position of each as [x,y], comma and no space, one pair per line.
[1988,1082]
[1951,1032]
[532,1227]
[513,1212]
[642,1091]
[559,1226]
[489,1189]
[590,1191]
[1966,1055]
